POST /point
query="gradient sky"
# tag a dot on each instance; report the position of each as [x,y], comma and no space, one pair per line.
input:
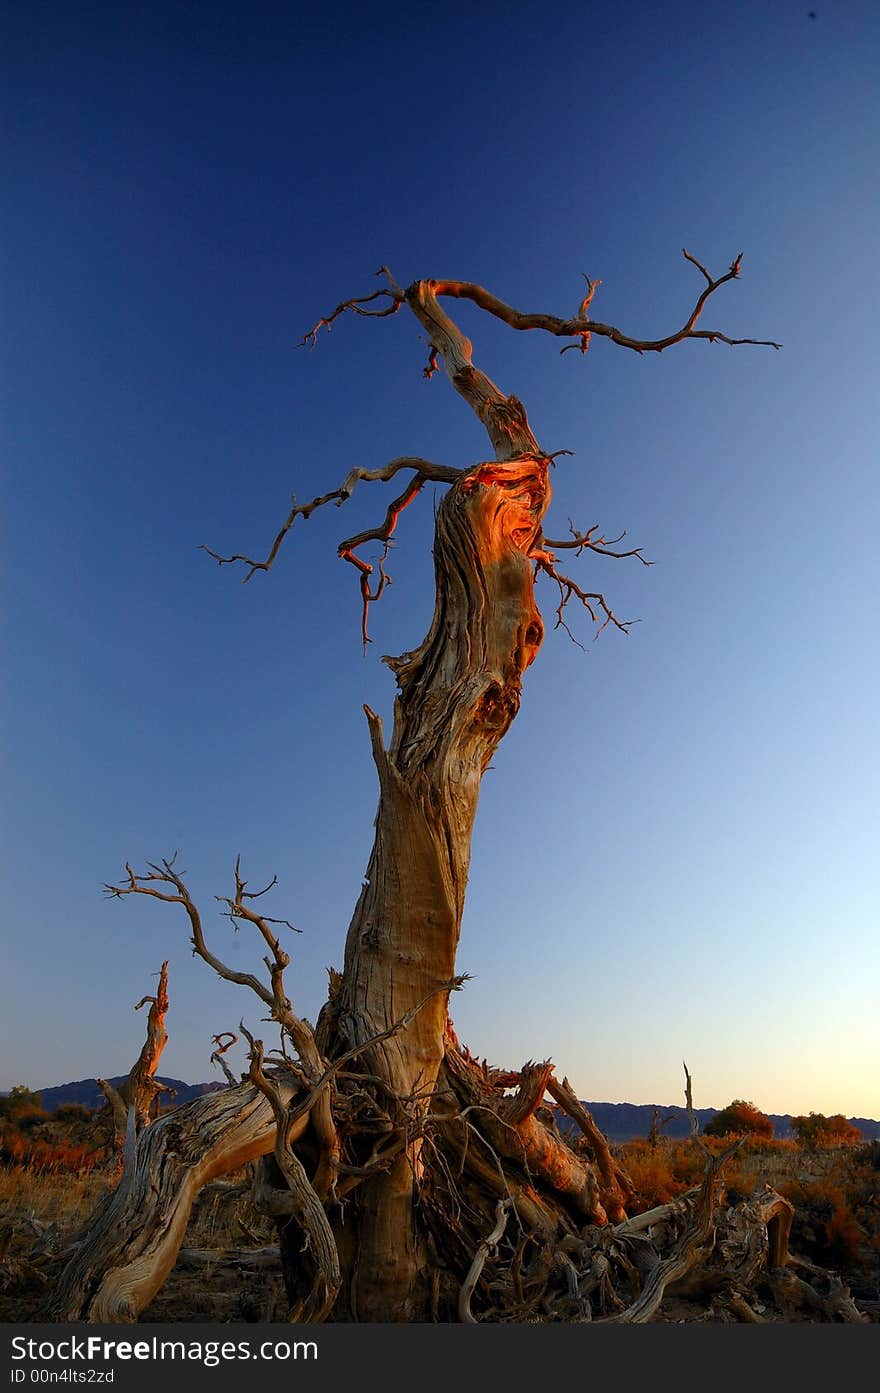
[676,850]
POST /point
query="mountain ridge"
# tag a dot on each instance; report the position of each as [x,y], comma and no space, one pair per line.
[619,1121]
[626,1121]
[87,1093]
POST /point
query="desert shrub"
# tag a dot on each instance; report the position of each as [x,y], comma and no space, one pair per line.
[72,1112]
[688,1163]
[652,1173]
[737,1119]
[817,1131]
[740,1179]
[20,1103]
[844,1235]
[836,1217]
[26,1121]
[868,1155]
[49,1157]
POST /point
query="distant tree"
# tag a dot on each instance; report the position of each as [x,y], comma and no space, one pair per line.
[20,1102]
[654,1137]
[737,1119]
[398,1155]
[816,1130]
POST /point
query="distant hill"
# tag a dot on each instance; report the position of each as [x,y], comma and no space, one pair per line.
[619,1121]
[623,1121]
[87,1092]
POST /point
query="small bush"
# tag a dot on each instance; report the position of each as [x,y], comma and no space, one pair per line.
[818,1132]
[739,1119]
[19,1102]
[72,1112]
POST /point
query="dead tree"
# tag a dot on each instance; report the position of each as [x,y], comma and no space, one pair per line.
[141,1089]
[410,1180]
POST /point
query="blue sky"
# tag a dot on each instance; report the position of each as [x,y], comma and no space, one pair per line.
[675,853]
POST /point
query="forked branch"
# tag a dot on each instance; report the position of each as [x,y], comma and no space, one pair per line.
[274,996]
[355,306]
[423,472]
[587,541]
[592,600]
[581,327]
[504,417]
[223,1042]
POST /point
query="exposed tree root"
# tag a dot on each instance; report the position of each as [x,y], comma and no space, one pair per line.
[515,1219]
[131,1242]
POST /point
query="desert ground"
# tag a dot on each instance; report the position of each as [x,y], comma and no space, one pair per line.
[55,1169]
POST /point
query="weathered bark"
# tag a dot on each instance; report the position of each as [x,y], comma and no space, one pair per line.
[118,1111]
[616,1185]
[458,693]
[141,1088]
[792,1293]
[132,1241]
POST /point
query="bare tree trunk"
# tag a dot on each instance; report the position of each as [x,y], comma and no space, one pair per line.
[458,693]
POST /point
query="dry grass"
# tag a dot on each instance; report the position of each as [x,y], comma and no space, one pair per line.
[50,1197]
[42,1211]
[47,1196]
[835,1191]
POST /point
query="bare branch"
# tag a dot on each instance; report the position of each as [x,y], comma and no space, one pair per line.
[356,306]
[303,1202]
[585,541]
[545,561]
[700,267]
[378,534]
[238,909]
[581,326]
[274,996]
[617,1187]
[713,1162]
[423,472]
[485,1249]
[439,473]
[224,1041]
[166,874]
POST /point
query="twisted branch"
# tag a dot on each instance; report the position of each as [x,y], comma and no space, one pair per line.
[274,996]
[424,471]
[581,327]
[439,473]
[356,306]
[301,1201]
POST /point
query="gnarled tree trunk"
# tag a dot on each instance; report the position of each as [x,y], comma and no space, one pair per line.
[458,693]
[131,1243]
[430,1151]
